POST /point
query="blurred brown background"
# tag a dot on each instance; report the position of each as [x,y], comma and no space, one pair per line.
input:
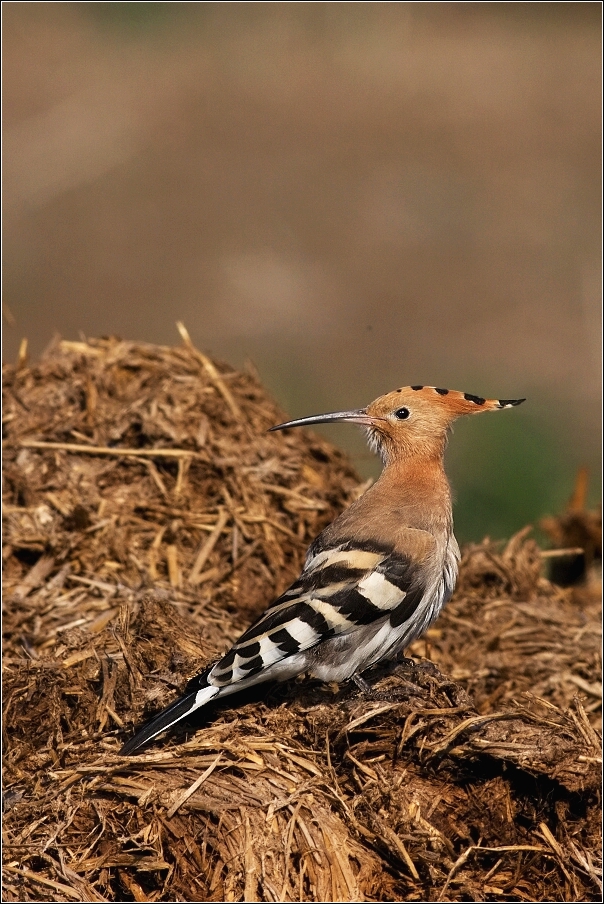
[355,196]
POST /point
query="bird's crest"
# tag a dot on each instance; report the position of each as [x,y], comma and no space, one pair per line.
[413,420]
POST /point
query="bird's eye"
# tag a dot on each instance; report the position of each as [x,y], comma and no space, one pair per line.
[401,414]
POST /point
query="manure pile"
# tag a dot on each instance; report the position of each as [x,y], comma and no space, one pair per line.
[148,518]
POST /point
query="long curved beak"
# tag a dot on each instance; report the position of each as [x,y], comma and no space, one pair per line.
[354,417]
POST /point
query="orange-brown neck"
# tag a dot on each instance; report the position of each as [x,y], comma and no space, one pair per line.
[407,446]
[418,486]
[410,493]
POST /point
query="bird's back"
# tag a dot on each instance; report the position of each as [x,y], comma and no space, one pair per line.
[372,581]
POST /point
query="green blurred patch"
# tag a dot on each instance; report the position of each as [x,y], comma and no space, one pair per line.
[133,17]
[508,470]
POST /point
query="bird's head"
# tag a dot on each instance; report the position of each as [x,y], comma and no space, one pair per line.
[410,421]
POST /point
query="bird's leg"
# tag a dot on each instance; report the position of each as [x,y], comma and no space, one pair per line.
[363,686]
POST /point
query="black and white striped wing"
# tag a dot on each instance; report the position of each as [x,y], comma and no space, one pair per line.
[340,589]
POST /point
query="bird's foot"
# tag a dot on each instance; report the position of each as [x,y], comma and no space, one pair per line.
[405,671]
[399,665]
[403,664]
[410,673]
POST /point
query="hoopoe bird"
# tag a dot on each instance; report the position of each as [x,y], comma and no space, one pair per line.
[374,580]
